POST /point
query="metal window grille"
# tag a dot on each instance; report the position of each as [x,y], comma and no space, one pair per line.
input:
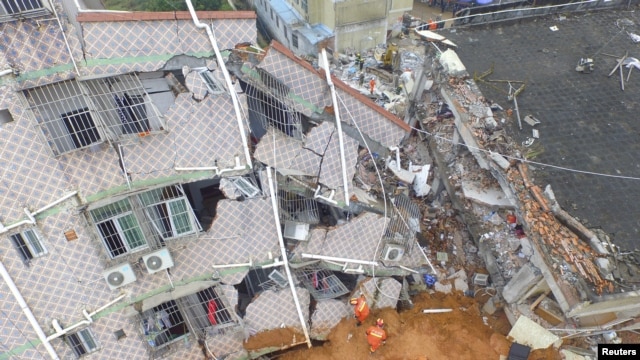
[321,283]
[63,115]
[19,7]
[207,311]
[163,324]
[82,342]
[29,245]
[294,40]
[294,207]
[269,102]
[169,212]
[124,106]
[404,223]
[119,228]
[247,186]
[212,84]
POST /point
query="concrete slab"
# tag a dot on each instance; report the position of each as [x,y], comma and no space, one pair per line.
[527,332]
[486,196]
[420,185]
[520,283]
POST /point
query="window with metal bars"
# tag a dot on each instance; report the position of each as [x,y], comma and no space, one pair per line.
[321,283]
[82,342]
[17,6]
[212,84]
[28,244]
[170,213]
[207,310]
[124,105]
[163,324]
[62,113]
[119,228]
[294,40]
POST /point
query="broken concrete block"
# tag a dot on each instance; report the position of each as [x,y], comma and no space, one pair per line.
[500,160]
[489,307]
[493,196]
[461,284]
[404,175]
[420,185]
[443,288]
[520,283]
[527,332]
[531,120]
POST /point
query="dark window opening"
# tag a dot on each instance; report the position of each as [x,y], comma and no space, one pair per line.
[81,127]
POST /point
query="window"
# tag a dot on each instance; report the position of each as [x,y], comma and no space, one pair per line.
[17,6]
[294,40]
[28,244]
[305,6]
[206,309]
[246,187]
[286,36]
[163,324]
[119,229]
[82,342]
[212,84]
[170,213]
[62,113]
[277,21]
[271,14]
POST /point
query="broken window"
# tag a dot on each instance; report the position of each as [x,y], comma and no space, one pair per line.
[82,342]
[119,228]
[28,244]
[321,283]
[246,186]
[170,213]
[294,207]
[207,77]
[163,324]
[402,227]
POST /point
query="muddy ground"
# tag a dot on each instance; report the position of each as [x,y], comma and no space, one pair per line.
[460,334]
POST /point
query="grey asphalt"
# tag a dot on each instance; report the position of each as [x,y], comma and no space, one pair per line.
[587,122]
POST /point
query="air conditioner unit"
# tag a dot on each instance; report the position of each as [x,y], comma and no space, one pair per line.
[278,278]
[119,276]
[481,279]
[296,231]
[158,260]
[392,252]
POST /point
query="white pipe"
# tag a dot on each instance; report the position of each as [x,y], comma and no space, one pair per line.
[316,195]
[27,312]
[47,207]
[336,110]
[283,251]
[89,319]
[428,261]
[226,266]
[227,78]
[6,72]
[273,264]
[4,229]
[124,166]
[397,150]
[64,36]
[435,311]
[213,168]
[409,270]
[322,257]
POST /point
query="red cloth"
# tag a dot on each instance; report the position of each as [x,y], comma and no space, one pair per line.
[375,337]
[361,309]
[212,307]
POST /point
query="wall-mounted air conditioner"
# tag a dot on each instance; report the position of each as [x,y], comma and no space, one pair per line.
[158,260]
[119,276]
[392,252]
[296,231]
[278,278]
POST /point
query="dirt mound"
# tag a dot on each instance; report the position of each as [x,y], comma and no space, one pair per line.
[460,334]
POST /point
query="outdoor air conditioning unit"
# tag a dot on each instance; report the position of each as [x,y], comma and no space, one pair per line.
[278,278]
[481,279]
[119,276]
[158,260]
[392,252]
[296,231]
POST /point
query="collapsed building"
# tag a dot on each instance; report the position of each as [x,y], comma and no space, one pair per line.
[167,192]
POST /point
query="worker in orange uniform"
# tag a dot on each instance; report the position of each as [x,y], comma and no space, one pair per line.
[372,85]
[376,335]
[361,309]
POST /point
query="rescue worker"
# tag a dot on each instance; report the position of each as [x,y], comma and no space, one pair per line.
[372,85]
[361,309]
[359,61]
[376,336]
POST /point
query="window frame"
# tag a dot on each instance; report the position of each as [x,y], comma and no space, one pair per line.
[26,247]
[120,232]
[209,80]
[14,3]
[294,40]
[155,221]
[81,340]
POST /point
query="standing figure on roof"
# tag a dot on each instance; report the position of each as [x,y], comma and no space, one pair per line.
[376,336]
[359,61]
[372,85]
[361,309]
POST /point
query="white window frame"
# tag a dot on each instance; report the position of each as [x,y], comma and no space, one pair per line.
[120,232]
[248,189]
[195,227]
[29,241]
[19,11]
[81,337]
[208,79]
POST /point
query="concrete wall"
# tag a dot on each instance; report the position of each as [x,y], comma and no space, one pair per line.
[361,36]
[397,8]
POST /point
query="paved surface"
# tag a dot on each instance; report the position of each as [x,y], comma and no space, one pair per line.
[588,122]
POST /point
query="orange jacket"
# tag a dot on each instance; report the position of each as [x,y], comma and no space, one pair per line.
[361,309]
[375,337]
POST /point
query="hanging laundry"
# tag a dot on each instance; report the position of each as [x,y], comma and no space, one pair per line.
[211,313]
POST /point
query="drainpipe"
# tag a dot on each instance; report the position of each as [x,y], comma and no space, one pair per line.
[336,110]
[344,260]
[27,312]
[55,13]
[6,72]
[30,215]
[283,251]
[227,78]
[237,167]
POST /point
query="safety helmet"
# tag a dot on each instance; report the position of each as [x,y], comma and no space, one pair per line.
[380,322]
[353,301]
